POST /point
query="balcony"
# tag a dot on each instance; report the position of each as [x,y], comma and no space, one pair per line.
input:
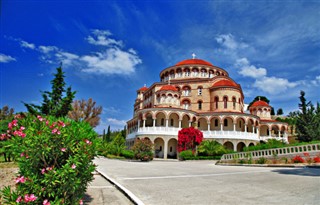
[212,134]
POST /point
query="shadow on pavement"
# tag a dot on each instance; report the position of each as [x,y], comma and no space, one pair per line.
[315,172]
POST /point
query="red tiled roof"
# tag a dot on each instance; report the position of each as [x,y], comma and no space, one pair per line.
[260,103]
[193,61]
[144,88]
[225,83]
[169,87]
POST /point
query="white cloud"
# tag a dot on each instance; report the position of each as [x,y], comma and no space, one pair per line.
[67,58]
[229,42]
[111,110]
[25,44]
[47,49]
[116,122]
[112,61]
[273,85]
[101,37]
[6,58]
[249,70]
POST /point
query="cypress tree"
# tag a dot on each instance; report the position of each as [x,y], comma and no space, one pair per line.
[54,102]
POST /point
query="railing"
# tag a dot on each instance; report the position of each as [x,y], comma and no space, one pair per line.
[272,152]
[283,138]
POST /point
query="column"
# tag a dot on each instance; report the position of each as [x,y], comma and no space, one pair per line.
[167,120]
[180,122]
[234,126]
[138,124]
[165,151]
[279,133]
[190,124]
[144,123]
[221,126]
[208,126]
[270,132]
[258,131]
[245,128]
[154,123]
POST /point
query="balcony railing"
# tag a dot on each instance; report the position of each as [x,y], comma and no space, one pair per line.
[212,134]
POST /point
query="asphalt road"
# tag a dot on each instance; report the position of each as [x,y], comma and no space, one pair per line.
[202,182]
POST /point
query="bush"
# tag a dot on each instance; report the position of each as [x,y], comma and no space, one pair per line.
[187,154]
[142,149]
[128,154]
[261,160]
[211,148]
[316,159]
[297,159]
[55,160]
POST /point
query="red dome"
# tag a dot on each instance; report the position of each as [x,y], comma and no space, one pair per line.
[144,88]
[260,103]
[193,61]
[169,87]
[225,83]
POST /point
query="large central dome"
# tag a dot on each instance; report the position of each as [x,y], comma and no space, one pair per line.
[194,61]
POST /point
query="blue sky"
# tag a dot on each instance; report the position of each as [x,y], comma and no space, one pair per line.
[109,49]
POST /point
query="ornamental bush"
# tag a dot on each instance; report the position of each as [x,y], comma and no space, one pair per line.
[142,149]
[297,159]
[55,160]
[189,138]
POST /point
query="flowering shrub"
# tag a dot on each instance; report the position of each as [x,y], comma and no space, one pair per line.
[142,149]
[188,138]
[297,159]
[316,159]
[307,157]
[55,160]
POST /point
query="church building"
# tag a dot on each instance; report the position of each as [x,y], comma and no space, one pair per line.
[196,93]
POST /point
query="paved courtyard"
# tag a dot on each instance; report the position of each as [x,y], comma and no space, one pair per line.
[202,182]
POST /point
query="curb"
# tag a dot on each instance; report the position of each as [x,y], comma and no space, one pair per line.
[272,165]
[124,190]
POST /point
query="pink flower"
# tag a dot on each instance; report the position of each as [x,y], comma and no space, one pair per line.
[43,171]
[14,123]
[63,149]
[49,168]
[40,118]
[22,154]
[46,202]
[80,202]
[28,198]
[22,128]
[73,166]
[58,132]
[19,199]
[20,180]
[10,125]
[54,130]
[61,124]
[88,142]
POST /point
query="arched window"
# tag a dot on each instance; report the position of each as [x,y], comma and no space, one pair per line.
[216,100]
[187,72]
[225,102]
[225,122]
[186,104]
[203,73]
[162,122]
[234,103]
[216,123]
[171,122]
[200,105]
[199,90]
[171,149]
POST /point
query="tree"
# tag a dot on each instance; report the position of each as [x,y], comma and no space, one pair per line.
[85,111]
[108,136]
[272,111]
[211,148]
[142,149]
[189,138]
[308,120]
[280,111]
[54,102]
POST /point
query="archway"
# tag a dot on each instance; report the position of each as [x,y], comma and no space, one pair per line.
[161,120]
[215,124]
[240,127]
[202,124]
[173,120]
[149,120]
[159,148]
[228,145]
[172,149]
[240,146]
[227,124]
[185,121]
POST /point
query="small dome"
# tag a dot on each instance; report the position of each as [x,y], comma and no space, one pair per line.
[193,61]
[169,87]
[260,103]
[144,88]
[225,83]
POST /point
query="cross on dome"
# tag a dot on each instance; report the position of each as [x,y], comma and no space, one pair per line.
[193,55]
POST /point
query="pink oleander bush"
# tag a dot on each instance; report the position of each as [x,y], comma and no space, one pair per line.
[55,160]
